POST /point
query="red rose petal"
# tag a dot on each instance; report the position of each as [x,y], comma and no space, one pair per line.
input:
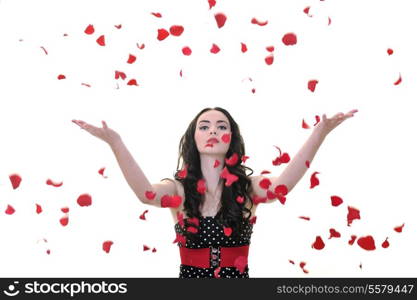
[270,195]
[176,30]
[101,172]
[132,82]
[330,21]
[38,209]
[48,251]
[398,81]
[230,178]
[227,231]
[367,243]
[353,214]
[281,190]
[312,85]
[186,51]
[86,84]
[302,265]
[10,210]
[101,41]
[232,160]
[269,59]
[317,120]
[216,163]
[60,77]
[220,19]
[217,270]
[46,52]
[192,229]
[240,263]
[171,201]
[55,184]
[257,199]
[162,34]
[201,186]
[305,218]
[291,261]
[270,48]
[142,216]
[119,74]
[141,46]
[226,138]
[243,47]
[390,51]
[305,125]
[84,200]
[336,200]
[289,39]
[89,29]
[306,10]
[15,180]
[252,220]
[240,199]
[318,243]
[150,195]
[244,158]
[131,59]
[118,26]
[64,221]
[214,49]
[399,228]
[154,250]
[255,21]
[158,15]
[352,239]
[334,233]
[145,248]
[314,181]
[265,183]
[183,173]
[107,245]
[65,210]
[385,244]
[211,3]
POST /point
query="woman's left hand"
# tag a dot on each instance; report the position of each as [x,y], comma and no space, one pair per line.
[326,125]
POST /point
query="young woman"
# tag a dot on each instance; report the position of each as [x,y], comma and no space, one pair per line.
[212,199]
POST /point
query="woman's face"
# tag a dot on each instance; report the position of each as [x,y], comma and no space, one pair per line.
[210,128]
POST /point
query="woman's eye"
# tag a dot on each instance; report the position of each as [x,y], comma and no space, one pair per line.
[203,127]
[223,127]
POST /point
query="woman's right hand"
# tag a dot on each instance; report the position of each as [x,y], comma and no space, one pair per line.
[105,133]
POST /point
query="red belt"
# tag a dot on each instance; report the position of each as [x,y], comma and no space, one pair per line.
[213,256]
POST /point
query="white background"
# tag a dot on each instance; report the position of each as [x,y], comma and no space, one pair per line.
[369,160]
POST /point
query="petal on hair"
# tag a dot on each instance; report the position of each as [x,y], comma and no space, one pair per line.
[183,173]
[211,3]
[65,210]
[269,60]
[240,199]
[232,160]
[201,186]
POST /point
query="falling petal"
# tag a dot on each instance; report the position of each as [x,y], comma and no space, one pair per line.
[244,158]
[60,77]
[306,11]
[46,52]
[289,39]
[10,210]
[312,85]
[304,125]
[227,231]
[132,82]
[183,173]
[336,200]
[317,120]
[240,199]
[399,228]
[84,200]
[211,3]
[330,21]
[131,59]
[15,180]
[89,29]
[142,216]
[334,233]
[367,243]
[101,172]
[119,74]
[305,218]
[269,60]
[318,243]
[385,244]
[220,19]
[107,245]
[55,184]
[38,209]
[214,49]
[314,181]
[158,15]
[176,30]
[186,51]
[64,221]
[65,210]
[243,48]
[398,80]
[352,239]
[390,51]
[232,160]
[101,41]
[162,34]
[145,248]
[255,21]
[141,46]
[353,214]
[265,172]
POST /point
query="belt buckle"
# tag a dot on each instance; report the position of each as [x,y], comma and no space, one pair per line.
[214,256]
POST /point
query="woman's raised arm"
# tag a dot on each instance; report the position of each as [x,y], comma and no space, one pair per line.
[146,192]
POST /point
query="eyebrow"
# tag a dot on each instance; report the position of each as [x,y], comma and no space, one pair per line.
[219,121]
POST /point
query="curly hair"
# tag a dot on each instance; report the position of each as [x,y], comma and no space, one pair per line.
[231,211]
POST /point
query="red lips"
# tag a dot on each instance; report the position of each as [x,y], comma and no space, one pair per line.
[213,140]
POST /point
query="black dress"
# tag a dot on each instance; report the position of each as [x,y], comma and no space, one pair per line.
[210,233]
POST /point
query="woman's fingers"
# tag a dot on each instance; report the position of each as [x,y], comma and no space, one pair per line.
[104,124]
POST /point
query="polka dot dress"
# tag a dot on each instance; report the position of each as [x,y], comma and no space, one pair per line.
[210,233]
